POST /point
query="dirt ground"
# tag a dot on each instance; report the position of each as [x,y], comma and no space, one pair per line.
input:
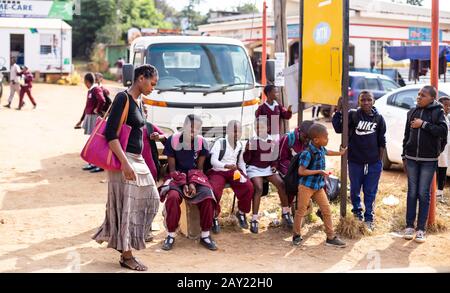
[49,208]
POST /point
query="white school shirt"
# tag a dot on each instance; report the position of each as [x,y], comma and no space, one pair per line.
[229,157]
[444,156]
[14,73]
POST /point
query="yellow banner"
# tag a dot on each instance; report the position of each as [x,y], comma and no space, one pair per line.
[322,51]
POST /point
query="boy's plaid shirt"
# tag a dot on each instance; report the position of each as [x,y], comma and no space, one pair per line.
[313,158]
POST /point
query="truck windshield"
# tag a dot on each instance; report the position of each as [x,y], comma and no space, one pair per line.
[201,67]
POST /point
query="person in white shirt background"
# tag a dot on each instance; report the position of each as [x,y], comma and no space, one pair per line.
[444,156]
[228,167]
[14,86]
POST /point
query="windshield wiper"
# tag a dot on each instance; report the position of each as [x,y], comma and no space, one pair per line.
[184,86]
[226,86]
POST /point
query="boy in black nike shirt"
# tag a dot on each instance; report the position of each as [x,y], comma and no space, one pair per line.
[367,141]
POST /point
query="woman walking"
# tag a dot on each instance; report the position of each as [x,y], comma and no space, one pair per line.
[133,199]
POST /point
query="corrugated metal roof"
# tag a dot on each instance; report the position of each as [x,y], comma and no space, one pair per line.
[38,23]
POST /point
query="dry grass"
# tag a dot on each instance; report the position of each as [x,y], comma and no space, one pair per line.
[387,218]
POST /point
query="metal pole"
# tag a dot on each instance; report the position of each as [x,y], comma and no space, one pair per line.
[435,83]
[264,47]
[300,65]
[345,108]
[61,51]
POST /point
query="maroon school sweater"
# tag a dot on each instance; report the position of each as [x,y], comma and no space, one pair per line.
[256,153]
[95,100]
[279,111]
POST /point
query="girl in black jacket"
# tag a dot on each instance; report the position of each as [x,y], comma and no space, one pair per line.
[425,138]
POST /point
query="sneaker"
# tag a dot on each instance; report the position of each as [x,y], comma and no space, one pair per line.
[408,234]
[215,227]
[254,226]
[370,226]
[287,220]
[442,199]
[297,240]
[210,244]
[242,220]
[420,236]
[149,237]
[358,217]
[168,243]
[335,242]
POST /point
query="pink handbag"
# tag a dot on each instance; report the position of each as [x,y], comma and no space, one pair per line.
[97,151]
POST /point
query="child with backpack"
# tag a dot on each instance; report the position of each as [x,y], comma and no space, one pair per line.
[186,152]
[366,146]
[425,138]
[228,166]
[94,106]
[273,111]
[444,156]
[292,143]
[261,156]
[311,183]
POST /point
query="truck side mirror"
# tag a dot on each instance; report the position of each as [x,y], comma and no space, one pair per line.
[127,74]
[270,70]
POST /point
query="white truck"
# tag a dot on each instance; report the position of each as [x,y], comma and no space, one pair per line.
[208,76]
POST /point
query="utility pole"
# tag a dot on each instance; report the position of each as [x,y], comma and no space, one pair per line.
[279,12]
[435,83]
[264,47]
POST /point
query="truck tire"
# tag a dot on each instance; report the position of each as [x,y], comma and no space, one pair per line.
[386,163]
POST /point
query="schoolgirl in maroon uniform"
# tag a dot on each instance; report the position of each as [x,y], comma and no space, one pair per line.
[186,153]
[274,111]
[261,156]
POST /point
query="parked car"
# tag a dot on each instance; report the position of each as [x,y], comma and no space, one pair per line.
[394,106]
[378,84]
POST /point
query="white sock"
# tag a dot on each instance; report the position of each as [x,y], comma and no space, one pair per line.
[241,213]
[204,235]
[439,192]
[172,234]
[255,217]
[285,210]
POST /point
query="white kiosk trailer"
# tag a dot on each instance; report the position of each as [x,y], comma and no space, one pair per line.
[42,44]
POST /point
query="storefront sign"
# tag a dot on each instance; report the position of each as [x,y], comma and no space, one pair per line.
[62,9]
[422,34]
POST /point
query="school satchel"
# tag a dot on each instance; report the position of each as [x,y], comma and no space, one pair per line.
[291,178]
[97,151]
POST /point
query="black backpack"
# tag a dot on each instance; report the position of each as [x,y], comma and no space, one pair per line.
[223,147]
[107,103]
[292,177]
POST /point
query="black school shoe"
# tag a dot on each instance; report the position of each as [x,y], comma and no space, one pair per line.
[88,167]
[287,220]
[254,227]
[242,220]
[97,170]
[215,227]
[297,240]
[335,242]
[211,245]
[168,243]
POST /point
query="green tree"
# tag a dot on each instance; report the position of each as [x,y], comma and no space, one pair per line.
[107,21]
[247,8]
[193,17]
[94,15]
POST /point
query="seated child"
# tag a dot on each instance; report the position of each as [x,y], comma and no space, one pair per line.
[261,155]
[186,153]
[228,166]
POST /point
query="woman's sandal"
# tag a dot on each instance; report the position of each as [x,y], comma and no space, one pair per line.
[138,265]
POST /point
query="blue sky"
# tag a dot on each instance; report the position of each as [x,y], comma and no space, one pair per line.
[206,5]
